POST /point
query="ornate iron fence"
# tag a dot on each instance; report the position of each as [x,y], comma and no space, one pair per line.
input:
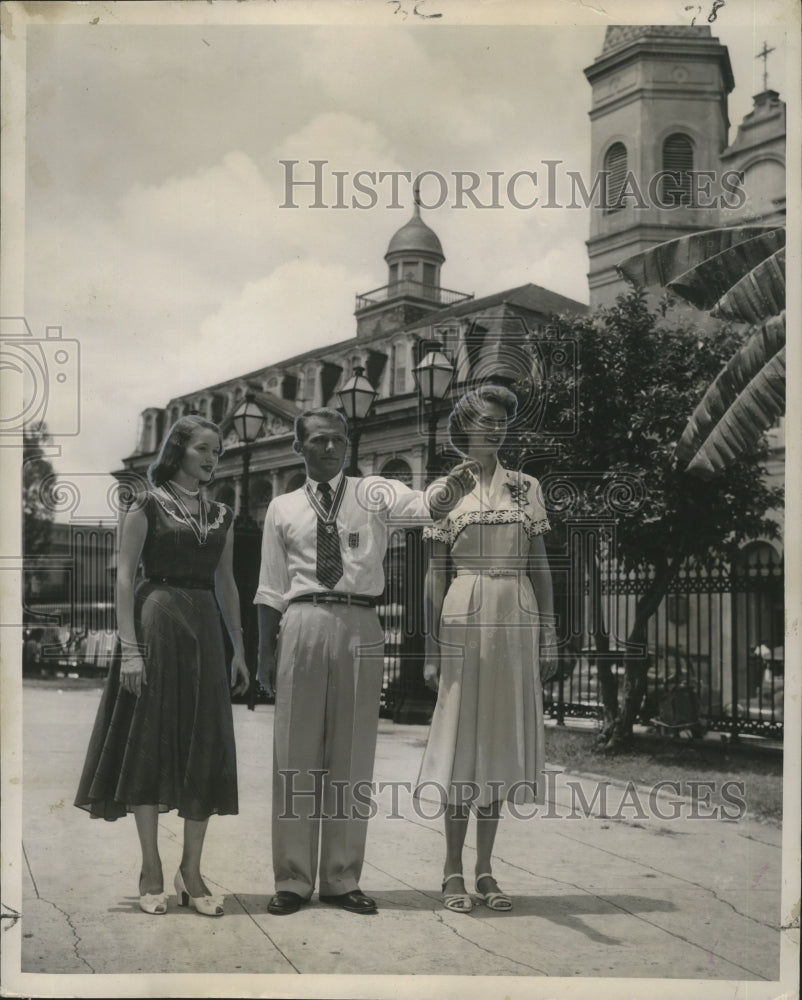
[714,648]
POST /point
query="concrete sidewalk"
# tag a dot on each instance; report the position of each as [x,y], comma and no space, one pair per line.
[596,898]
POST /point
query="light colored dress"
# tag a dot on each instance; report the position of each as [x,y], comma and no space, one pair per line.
[486,741]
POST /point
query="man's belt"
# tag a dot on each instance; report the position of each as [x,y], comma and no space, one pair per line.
[186,582]
[334,597]
[490,571]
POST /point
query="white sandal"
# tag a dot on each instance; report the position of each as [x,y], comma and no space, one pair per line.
[495,899]
[209,906]
[457,902]
[152,902]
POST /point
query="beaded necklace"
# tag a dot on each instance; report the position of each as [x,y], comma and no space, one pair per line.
[199,524]
[178,486]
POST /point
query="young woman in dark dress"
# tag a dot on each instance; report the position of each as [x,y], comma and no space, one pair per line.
[164,736]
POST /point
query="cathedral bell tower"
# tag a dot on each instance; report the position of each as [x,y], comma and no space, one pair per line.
[658,117]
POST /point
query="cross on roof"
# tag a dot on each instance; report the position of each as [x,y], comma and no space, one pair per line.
[764,55]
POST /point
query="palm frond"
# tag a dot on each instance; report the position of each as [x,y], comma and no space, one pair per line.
[660,264]
[758,295]
[705,283]
[745,399]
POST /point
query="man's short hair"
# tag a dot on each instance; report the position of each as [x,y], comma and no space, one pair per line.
[322,413]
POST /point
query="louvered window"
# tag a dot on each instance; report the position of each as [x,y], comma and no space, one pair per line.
[398,370]
[677,158]
[615,165]
[428,280]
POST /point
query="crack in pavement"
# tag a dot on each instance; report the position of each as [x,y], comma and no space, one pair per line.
[757,840]
[264,933]
[439,917]
[488,951]
[679,878]
[637,916]
[76,936]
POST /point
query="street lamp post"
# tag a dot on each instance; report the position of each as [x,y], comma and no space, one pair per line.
[356,399]
[248,421]
[433,375]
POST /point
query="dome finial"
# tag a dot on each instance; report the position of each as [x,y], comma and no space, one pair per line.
[415,237]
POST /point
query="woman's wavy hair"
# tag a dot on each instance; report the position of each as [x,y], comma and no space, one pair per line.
[468,408]
[175,445]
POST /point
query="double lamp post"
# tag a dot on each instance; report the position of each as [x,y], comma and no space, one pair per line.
[248,421]
[433,375]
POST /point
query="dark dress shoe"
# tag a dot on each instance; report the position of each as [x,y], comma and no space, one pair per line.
[355,901]
[285,902]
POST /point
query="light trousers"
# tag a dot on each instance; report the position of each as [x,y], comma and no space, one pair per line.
[330,662]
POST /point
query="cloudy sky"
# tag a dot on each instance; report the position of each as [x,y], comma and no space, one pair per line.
[154,229]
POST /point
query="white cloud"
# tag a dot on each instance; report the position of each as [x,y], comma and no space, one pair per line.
[219,221]
[300,306]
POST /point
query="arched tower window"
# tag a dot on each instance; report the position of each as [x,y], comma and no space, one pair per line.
[678,159]
[615,165]
[398,469]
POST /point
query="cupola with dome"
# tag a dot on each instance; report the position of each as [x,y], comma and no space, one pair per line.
[414,257]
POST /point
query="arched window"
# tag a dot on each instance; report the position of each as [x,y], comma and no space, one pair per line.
[615,166]
[678,158]
[260,494]
[225,493]
[295,482]
[398,469]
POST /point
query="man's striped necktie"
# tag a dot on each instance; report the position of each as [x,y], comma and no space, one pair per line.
[329,558]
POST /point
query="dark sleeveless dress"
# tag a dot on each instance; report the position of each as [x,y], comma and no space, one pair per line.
[174,745]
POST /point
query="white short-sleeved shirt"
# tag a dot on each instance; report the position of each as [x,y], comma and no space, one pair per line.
[370,507]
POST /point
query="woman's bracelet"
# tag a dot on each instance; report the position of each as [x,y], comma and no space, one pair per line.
[132,647]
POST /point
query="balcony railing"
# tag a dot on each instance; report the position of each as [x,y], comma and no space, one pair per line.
[406,288]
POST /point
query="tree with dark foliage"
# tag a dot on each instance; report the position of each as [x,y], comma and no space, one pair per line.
[37,514]
[639,374]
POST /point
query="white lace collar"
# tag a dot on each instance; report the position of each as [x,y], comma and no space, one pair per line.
[170,508]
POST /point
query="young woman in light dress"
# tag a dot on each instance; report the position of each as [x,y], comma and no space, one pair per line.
[490,636]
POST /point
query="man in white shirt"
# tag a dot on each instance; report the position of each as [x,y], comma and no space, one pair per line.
[323,548]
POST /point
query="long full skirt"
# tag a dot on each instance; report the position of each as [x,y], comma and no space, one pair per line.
[174,745]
